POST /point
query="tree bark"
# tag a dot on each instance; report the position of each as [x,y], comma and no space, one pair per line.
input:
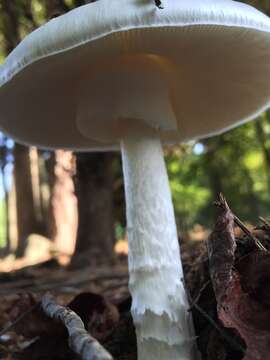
[99,194]
[24,197]
[6,199]
[26,218]
[12,218]
[63,203]
[35,180]
[93,184]
[3,163]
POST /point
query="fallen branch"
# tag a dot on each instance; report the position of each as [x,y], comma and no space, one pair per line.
[80,341]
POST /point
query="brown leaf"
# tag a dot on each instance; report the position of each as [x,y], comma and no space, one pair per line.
[33,324]
[255,276]
[239,310]
[99,315]
[221,247]
[242,289]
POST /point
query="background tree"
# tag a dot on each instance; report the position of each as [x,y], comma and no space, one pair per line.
[18,18]
[93,183]
[27,221]
[238,163]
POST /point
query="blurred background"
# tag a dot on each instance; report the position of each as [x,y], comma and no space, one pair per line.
[72,205]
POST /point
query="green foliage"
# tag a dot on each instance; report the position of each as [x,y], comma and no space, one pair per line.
[119,231]
[39,11]
[188,184]
[233,163]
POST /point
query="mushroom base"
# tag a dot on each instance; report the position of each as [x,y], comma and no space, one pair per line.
[159,304]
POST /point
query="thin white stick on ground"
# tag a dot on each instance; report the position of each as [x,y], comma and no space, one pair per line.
[80,341]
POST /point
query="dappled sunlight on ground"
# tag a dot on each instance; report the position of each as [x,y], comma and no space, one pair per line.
[39,250]
[10,263]
[198,233]
[121,247]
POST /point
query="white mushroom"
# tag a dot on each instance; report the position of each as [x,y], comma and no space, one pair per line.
[123,71]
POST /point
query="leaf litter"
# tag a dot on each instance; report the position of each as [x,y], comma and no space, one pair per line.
[227,278]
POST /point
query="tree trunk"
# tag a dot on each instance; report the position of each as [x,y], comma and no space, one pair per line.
[7,249]
[12,218]
[26,216]
[35,178]
[93,184]
[45,186]
[51,179]
[63,203]
[3,162]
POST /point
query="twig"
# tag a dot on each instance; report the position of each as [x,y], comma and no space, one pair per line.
[223,334]
[265,222]
[80,341]
[195,301]
[19,318]
[222,203]
[228,338]
[213,322]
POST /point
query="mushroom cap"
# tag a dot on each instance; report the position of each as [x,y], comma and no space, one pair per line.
[113,68]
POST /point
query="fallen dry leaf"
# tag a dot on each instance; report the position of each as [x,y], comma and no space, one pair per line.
[242,288]
[246,305]
[98,314]
[33,324]
[221,247]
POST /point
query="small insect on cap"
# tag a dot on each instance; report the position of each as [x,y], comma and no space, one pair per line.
[118,67]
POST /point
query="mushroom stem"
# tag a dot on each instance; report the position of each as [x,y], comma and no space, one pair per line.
[159,303]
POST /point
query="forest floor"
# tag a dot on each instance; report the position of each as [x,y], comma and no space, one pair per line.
[227,283]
